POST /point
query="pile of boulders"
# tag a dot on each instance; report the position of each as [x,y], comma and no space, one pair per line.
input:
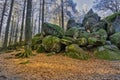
[99,37]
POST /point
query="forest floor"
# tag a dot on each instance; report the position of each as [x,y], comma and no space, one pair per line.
[56,67]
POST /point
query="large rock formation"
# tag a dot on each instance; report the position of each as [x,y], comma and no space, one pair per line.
[116,24]
[115,39]
[71,23]
[52,29]
[90,19]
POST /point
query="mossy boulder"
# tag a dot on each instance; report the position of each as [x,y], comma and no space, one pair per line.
[52,29]
[114,23]
[107,52]
[98,38]
[110,29]
[67,41]
[82,41]
[71,23]
[72,32]
[98,26]
[84,34]
[51,44]
[74,51]
[115,38]
[112,17]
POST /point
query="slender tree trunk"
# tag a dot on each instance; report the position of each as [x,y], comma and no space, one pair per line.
[39,18]
[22,25]
[32,22]
[16,31]
[8,25]
[11,31]
[62,13]
[1,22]
[43,7]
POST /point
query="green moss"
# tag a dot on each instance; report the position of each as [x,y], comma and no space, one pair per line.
[112,17]
[74,51]
[36,40]
[38,35]
[108,55]
[115,38]
[53,29]
[67,40]
[51,44]
[82,41]
[40,49]
[92,40]
[72,32]
[84,35]
[26,54]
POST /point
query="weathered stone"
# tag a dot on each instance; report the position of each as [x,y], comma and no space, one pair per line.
[71,23]
[51,44]
[108,52]
[67,41]
[99,25]
[52,29]
[72,32]
[115,38]
[74,51]
[116,24]
[82,41]
[90,19]
[98,38]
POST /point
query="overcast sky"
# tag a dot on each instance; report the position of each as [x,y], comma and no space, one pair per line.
[84,3]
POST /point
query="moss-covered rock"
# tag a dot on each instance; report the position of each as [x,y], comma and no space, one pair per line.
[98,38]
[40,49]
[82,41]
[52,29]
[72,32]
[112,17]
[110,29]
[92,41]
[51,44]
[74,51]
[107,52]
[36,40]
[100,25]
[115,38]
[71,23]
[67,41]
[84,34]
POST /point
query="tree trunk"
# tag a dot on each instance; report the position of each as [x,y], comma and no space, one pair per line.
[1,22]
[16,31]
[8,25]
[22,25]
[39,18]
[43,5]
[62,13]
[28,31]
[11,31]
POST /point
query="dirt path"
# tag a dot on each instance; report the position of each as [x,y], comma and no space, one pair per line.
[57,67]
